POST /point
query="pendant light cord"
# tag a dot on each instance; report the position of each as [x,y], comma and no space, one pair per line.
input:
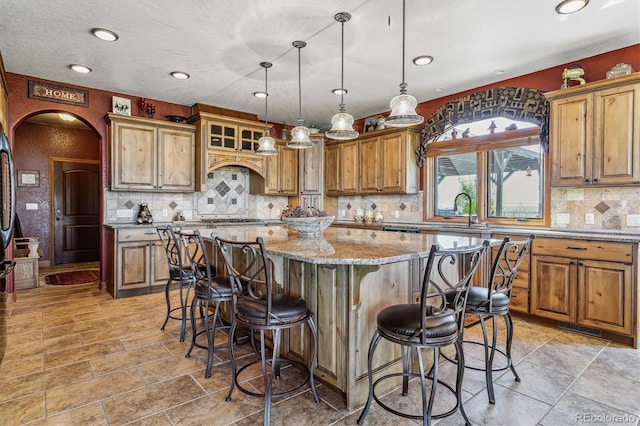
[266,102]
[300,120]
[403,85]
[342,106]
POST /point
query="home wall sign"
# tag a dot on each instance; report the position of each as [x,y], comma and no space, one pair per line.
[60,94]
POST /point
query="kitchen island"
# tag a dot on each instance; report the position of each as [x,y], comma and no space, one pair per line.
[346,276]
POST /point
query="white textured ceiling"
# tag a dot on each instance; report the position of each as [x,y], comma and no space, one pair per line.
[221,44]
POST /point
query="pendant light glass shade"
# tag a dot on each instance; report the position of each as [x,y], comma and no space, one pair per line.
[300,133]
[403,106]
[342,123]
[266,144]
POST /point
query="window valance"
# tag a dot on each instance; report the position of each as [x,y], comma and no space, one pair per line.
[519,103]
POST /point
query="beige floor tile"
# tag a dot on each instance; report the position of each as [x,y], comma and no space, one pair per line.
[540,383]
[213,409]
[22,410]
[83,353]
[573,409]
[92,414]
[21,367]
[141,403]
[124,359]
[81,393]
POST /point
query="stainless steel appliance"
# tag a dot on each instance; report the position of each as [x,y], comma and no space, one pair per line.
[7,217]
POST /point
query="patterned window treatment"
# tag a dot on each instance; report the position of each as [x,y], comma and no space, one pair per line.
[518,103]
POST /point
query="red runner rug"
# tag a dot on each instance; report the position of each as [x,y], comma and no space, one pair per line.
[71,278]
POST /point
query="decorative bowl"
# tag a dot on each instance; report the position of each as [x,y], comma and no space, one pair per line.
[308,226]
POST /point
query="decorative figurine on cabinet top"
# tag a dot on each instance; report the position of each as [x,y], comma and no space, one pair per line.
[144,215]
[575,73]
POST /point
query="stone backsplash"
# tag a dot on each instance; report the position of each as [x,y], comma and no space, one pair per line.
[613,208]
[404,207]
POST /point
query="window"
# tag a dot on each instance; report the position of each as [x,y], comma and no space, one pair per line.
[502,172]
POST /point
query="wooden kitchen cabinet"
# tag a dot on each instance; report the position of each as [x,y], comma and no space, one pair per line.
[136,261]
[226,141]
[150,155]
[341,168]
[590,283]
[281,175]
[388,163]
[594,133]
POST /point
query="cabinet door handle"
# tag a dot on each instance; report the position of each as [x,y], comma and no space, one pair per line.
[588,180]
[576,248]
[595,180]
[580,264]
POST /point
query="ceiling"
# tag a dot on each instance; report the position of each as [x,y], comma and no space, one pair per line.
[221,44]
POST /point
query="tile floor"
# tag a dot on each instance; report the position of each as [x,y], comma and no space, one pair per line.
[77,357]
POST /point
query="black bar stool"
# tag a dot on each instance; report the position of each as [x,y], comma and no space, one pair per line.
[179,272]
[433,323]
[209,289]
[259,309]
[493,300]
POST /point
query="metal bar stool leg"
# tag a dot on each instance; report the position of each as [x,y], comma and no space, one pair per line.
[508,321]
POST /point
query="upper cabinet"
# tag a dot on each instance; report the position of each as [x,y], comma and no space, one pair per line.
[281,175]
[224,141]
[341,168]
[150,155]
[4,120]
[594,132]
[383,163]
[311,167]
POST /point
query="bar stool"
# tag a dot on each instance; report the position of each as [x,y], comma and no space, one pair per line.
[493,300]
[178,272]
[431,324]
[209,289]
[258,309]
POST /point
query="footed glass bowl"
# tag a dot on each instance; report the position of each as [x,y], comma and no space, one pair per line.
[308,226]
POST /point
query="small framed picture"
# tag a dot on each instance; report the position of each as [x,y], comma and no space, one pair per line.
[121,106]
[28,178]
[370,124]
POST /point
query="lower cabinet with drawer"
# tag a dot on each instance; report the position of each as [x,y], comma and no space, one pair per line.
[136,261]
[587,283]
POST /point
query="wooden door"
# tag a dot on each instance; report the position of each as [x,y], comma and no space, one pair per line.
[311,167]
[134,155]
[332,169]
[570,132]
[176,154]
[76,212]
[394,161]
[288,174]
[604,295]
[371,166]
[553,287]
[350,167]
[617,135]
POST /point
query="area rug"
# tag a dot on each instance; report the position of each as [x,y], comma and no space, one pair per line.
[470,320]
[71,277]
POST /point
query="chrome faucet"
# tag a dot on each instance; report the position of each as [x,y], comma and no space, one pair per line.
[455,204]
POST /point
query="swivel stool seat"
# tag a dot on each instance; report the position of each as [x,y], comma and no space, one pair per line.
[259,310]
[432,324]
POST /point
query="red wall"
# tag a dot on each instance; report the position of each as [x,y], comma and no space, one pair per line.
[595,68]
[34,144]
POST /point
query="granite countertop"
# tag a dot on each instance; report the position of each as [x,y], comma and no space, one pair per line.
[582,234]
[343,245]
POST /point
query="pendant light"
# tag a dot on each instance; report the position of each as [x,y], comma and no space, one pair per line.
[266,144]
[342,123]
[403,106]
[300,133]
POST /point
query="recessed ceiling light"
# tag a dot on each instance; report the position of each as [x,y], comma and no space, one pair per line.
[82,69]
[66,117]
[180,75]
[570,6]
[499,72]
[438,89]
[339,91]
[422,60]
[260,95]
[105,35]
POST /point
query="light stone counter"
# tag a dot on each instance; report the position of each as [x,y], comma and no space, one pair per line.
[343,246]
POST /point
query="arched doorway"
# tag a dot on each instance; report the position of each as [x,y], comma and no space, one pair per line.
[58,199]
